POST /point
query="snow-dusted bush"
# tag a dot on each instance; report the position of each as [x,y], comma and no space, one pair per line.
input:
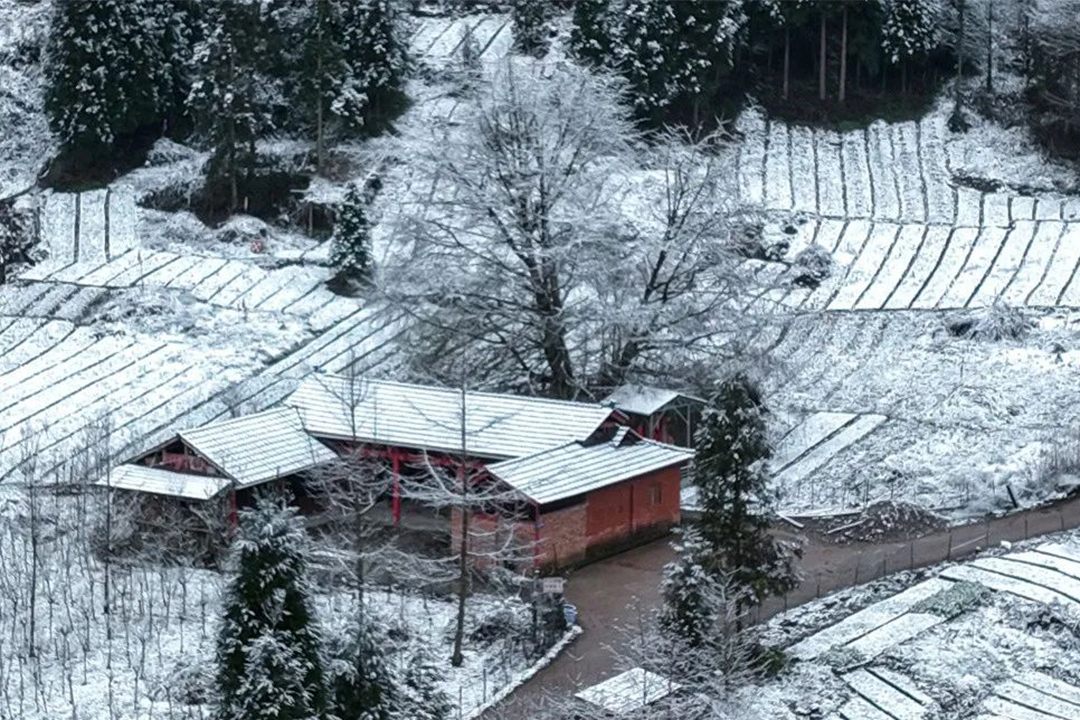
[751,241]
[499,623]
[999,321]
[954,600]
[843,658]
[190,681]
[811,266]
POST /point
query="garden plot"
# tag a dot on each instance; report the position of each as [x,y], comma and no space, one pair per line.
[942,650]
[889,693]
[1019,575]
[796,485]
[1035,696]
[857,627]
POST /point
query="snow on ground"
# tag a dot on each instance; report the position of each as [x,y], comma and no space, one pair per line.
[961,641]
[154,659]
[942,421]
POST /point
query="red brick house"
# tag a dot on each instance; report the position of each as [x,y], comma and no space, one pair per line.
[592,498]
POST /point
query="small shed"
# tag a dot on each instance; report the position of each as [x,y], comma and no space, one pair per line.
[239,453]
[657,413]
[596,497]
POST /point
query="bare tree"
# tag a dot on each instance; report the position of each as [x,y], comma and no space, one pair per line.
[542,224]
[485,519]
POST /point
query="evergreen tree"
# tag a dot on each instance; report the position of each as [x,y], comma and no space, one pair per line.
[649,31]
[594,36]
[106,73]
[421,696]
[909,32]
[371,91]
[224,95]
[676,55]
[730,472]
[269,663]
[323,69]
[361,683]
[350,249]
[688,588]
[532,26]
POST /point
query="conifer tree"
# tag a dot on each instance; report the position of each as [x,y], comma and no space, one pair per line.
[350,249]
[224,94]
[269,661]
[532,26]
[909,32]
[371,91]
[361,682]
[323,69]
[421,696]
[730,472]
[644,55]
[106,73]
[688,589]
[594,36]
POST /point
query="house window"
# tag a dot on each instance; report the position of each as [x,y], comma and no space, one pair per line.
[655,494]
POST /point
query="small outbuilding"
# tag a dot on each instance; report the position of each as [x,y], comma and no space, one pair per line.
[657,413]
[593,498]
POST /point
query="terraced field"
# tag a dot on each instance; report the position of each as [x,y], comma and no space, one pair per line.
[106,332]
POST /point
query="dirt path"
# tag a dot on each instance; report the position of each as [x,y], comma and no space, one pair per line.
[611,593]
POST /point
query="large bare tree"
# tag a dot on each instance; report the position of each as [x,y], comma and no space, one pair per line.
[553,241]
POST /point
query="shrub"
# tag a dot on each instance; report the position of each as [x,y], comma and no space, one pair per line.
[749,240]
[954,600]
[1000,321]
[811,266]
[843,658]
[189,681]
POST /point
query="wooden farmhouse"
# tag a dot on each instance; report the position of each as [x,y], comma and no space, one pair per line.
[574,479]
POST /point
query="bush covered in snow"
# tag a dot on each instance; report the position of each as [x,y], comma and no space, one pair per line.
[999,321]
[954,600]
[812,265]
[752,241]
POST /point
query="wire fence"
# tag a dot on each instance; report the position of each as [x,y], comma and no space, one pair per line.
[836,567]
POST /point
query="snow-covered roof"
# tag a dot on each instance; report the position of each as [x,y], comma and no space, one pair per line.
[260,447]
[575,468]
[163,482]
[646,400]
[430,418]
[628,691]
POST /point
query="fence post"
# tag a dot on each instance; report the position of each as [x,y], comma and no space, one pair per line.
[949,555]
[911,547]
[1026,535]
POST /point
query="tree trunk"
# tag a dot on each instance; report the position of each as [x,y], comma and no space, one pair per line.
[843,58]
[463,576]
[320,131]
[822,61]
[990,47]
[787,60]
[958,98]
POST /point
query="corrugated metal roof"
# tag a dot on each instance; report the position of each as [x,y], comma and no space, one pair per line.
[429,418]
[577,468]
[260,447]
[163,482]
[646,400]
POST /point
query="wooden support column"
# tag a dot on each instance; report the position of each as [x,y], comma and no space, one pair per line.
[395,463]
